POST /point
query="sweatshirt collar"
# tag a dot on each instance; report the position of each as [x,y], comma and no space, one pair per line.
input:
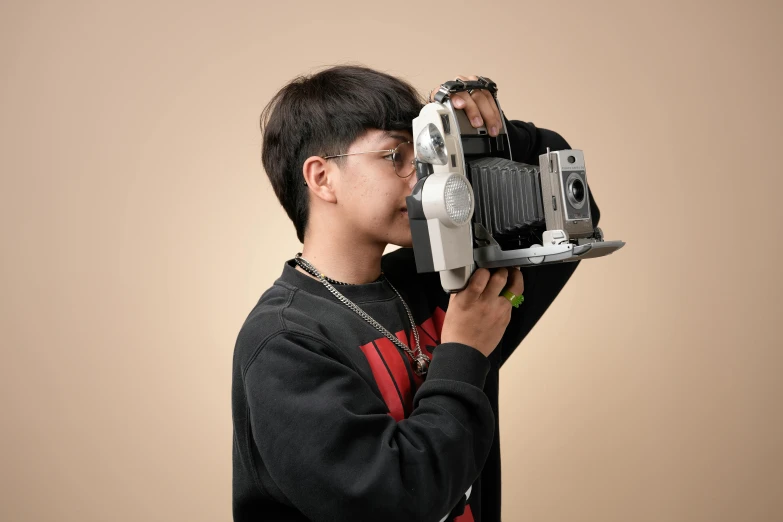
[377,291]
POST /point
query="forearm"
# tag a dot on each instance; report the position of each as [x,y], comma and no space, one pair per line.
[335,452]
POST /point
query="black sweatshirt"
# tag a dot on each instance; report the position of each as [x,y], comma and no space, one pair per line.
[331,423]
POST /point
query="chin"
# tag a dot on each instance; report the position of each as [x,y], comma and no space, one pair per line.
[402,239]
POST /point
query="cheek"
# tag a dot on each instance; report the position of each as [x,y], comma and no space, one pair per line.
[376,199]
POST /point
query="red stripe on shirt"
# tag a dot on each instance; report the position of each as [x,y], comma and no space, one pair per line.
[396,364]
[429,337]
[428,327]
[438,316]
[384,381]
[466,516]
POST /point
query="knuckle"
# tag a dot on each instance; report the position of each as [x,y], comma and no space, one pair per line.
[481,273]
[501,274]
[477,284]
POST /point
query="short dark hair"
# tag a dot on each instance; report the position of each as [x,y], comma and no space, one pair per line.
[323,114]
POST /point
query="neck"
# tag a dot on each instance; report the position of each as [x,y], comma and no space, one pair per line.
[343,258]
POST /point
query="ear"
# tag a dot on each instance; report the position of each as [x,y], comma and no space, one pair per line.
[319,176]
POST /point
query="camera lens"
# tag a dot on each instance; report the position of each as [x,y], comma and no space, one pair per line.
[577,190]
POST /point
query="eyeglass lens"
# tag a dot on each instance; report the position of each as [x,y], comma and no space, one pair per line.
[403,160]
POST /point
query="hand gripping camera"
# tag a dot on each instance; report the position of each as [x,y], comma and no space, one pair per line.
[474,206]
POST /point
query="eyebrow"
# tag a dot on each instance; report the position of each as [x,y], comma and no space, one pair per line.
[398,137]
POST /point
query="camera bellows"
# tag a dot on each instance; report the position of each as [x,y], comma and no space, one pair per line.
[508,196]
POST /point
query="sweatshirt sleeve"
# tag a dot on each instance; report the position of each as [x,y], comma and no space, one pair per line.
[331,447]
[542,283]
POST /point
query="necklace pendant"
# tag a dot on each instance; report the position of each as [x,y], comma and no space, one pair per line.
[420,365]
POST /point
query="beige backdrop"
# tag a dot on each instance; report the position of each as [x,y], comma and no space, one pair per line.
[138,230]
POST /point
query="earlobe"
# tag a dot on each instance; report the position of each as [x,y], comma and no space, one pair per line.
[318,175]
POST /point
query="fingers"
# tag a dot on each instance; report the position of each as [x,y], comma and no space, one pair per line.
[496,284]
[480,107]
[463,100]
[515,283]
[488,110]
[481,110]
[477,284]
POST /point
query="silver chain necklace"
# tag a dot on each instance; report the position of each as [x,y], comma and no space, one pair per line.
[419,361]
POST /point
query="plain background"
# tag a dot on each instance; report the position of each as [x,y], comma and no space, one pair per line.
[138,230]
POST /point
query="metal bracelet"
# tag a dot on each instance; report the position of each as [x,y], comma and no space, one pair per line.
[454,86]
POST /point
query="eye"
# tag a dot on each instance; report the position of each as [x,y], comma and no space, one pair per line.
[389,156]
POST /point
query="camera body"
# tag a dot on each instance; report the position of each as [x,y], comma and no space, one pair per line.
[474,206]
[564,193]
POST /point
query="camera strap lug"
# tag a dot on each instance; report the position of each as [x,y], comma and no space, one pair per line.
[550,156]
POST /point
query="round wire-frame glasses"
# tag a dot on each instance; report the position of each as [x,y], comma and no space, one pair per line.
[402,156]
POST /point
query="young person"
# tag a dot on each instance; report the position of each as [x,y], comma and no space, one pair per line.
[334,417]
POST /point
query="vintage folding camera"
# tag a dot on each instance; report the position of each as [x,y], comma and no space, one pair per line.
[474,206]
